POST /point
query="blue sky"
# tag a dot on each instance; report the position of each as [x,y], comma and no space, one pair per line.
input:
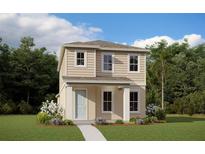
[53,30]
[129,27]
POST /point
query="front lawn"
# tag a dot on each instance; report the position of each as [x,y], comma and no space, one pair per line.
[177,128]
[26,128]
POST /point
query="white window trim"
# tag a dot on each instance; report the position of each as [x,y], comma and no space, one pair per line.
[102,62]
[138,65]
[85,58]
[102,101]
[138,104]
[74,103]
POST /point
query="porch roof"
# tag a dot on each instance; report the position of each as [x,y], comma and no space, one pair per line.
[98,80]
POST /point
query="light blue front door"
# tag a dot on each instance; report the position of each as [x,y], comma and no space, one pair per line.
[80,104]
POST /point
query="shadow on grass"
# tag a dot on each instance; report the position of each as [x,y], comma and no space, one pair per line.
[183,119]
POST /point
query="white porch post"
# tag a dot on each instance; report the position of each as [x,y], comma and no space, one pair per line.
[69,103]
[126,104]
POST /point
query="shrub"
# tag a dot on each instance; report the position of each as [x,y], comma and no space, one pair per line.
[148,120]
[140,121]
[43,117]
[133,119]
[101,121]
[24,108]
[154,119]
[151,109]
[160,114]
[68,122]
[8,108]
[51,108]
[119,121]
[56,121]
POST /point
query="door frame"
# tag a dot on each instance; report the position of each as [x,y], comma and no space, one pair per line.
[86,103]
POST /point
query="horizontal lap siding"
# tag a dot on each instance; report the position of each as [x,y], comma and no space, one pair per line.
[121,67]
[88,71]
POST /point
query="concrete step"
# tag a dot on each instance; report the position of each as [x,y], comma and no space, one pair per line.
[84,122]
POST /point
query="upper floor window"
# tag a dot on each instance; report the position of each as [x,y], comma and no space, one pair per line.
[133,101]
[80,58]
[107,62]
[133,63]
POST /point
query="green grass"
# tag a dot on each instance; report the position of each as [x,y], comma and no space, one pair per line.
[26,128]
[177,128]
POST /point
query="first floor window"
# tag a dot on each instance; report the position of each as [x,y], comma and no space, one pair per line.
[107,101]
[134,101]
[80,58]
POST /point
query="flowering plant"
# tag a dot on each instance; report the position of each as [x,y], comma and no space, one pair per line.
[51,108]
[151,109]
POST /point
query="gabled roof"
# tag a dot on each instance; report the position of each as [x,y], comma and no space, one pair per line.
[102,44]
[99,45]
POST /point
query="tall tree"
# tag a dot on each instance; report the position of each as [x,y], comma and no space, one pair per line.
[159,55]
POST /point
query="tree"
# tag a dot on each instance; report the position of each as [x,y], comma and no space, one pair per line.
[159,55]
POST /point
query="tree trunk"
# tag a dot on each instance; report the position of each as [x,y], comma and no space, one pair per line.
[28,96]
[162,74]
[162,101]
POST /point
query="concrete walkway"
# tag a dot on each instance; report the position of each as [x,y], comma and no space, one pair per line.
[91,133]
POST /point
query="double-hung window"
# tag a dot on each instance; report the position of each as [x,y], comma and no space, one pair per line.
[80,58]
[133,63]
[107,101]
[133,101]
[107,62]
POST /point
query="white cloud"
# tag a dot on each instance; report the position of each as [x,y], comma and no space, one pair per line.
[193,39]
[47,30]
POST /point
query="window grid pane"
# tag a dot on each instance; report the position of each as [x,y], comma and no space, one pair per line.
[80,58]
[133,63]
[133,101]
[107,101]
[107,62]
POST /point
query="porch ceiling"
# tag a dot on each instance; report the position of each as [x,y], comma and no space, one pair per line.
[98,80]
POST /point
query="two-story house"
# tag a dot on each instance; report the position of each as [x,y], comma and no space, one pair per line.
[100,79]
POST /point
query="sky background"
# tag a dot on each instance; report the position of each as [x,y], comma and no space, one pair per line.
[52,30]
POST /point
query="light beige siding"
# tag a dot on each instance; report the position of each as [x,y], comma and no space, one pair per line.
[87,71]
[121,67]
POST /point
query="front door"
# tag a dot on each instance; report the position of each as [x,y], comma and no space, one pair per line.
[80,104]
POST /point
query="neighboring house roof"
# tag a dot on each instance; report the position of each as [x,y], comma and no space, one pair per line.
[100,45]
[98,80]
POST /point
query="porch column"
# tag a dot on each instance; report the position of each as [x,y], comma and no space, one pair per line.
[126,103]
[69,102]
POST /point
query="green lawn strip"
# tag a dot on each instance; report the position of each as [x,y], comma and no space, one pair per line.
[176,129]
[26,128]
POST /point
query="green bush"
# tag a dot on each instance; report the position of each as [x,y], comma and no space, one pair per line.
[153,119]
[119,121]
[43,117]
[25,108]
[68,122]
[8,108]
[133,119]
[160,114]
[147,120]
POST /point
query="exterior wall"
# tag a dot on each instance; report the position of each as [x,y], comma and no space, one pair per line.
[117,106]
[142,101]
[62,92]
[94,102]
[91,100]
[88,71]
[121,67]
[94,92]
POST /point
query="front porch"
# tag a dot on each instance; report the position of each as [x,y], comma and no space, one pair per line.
[110,101]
